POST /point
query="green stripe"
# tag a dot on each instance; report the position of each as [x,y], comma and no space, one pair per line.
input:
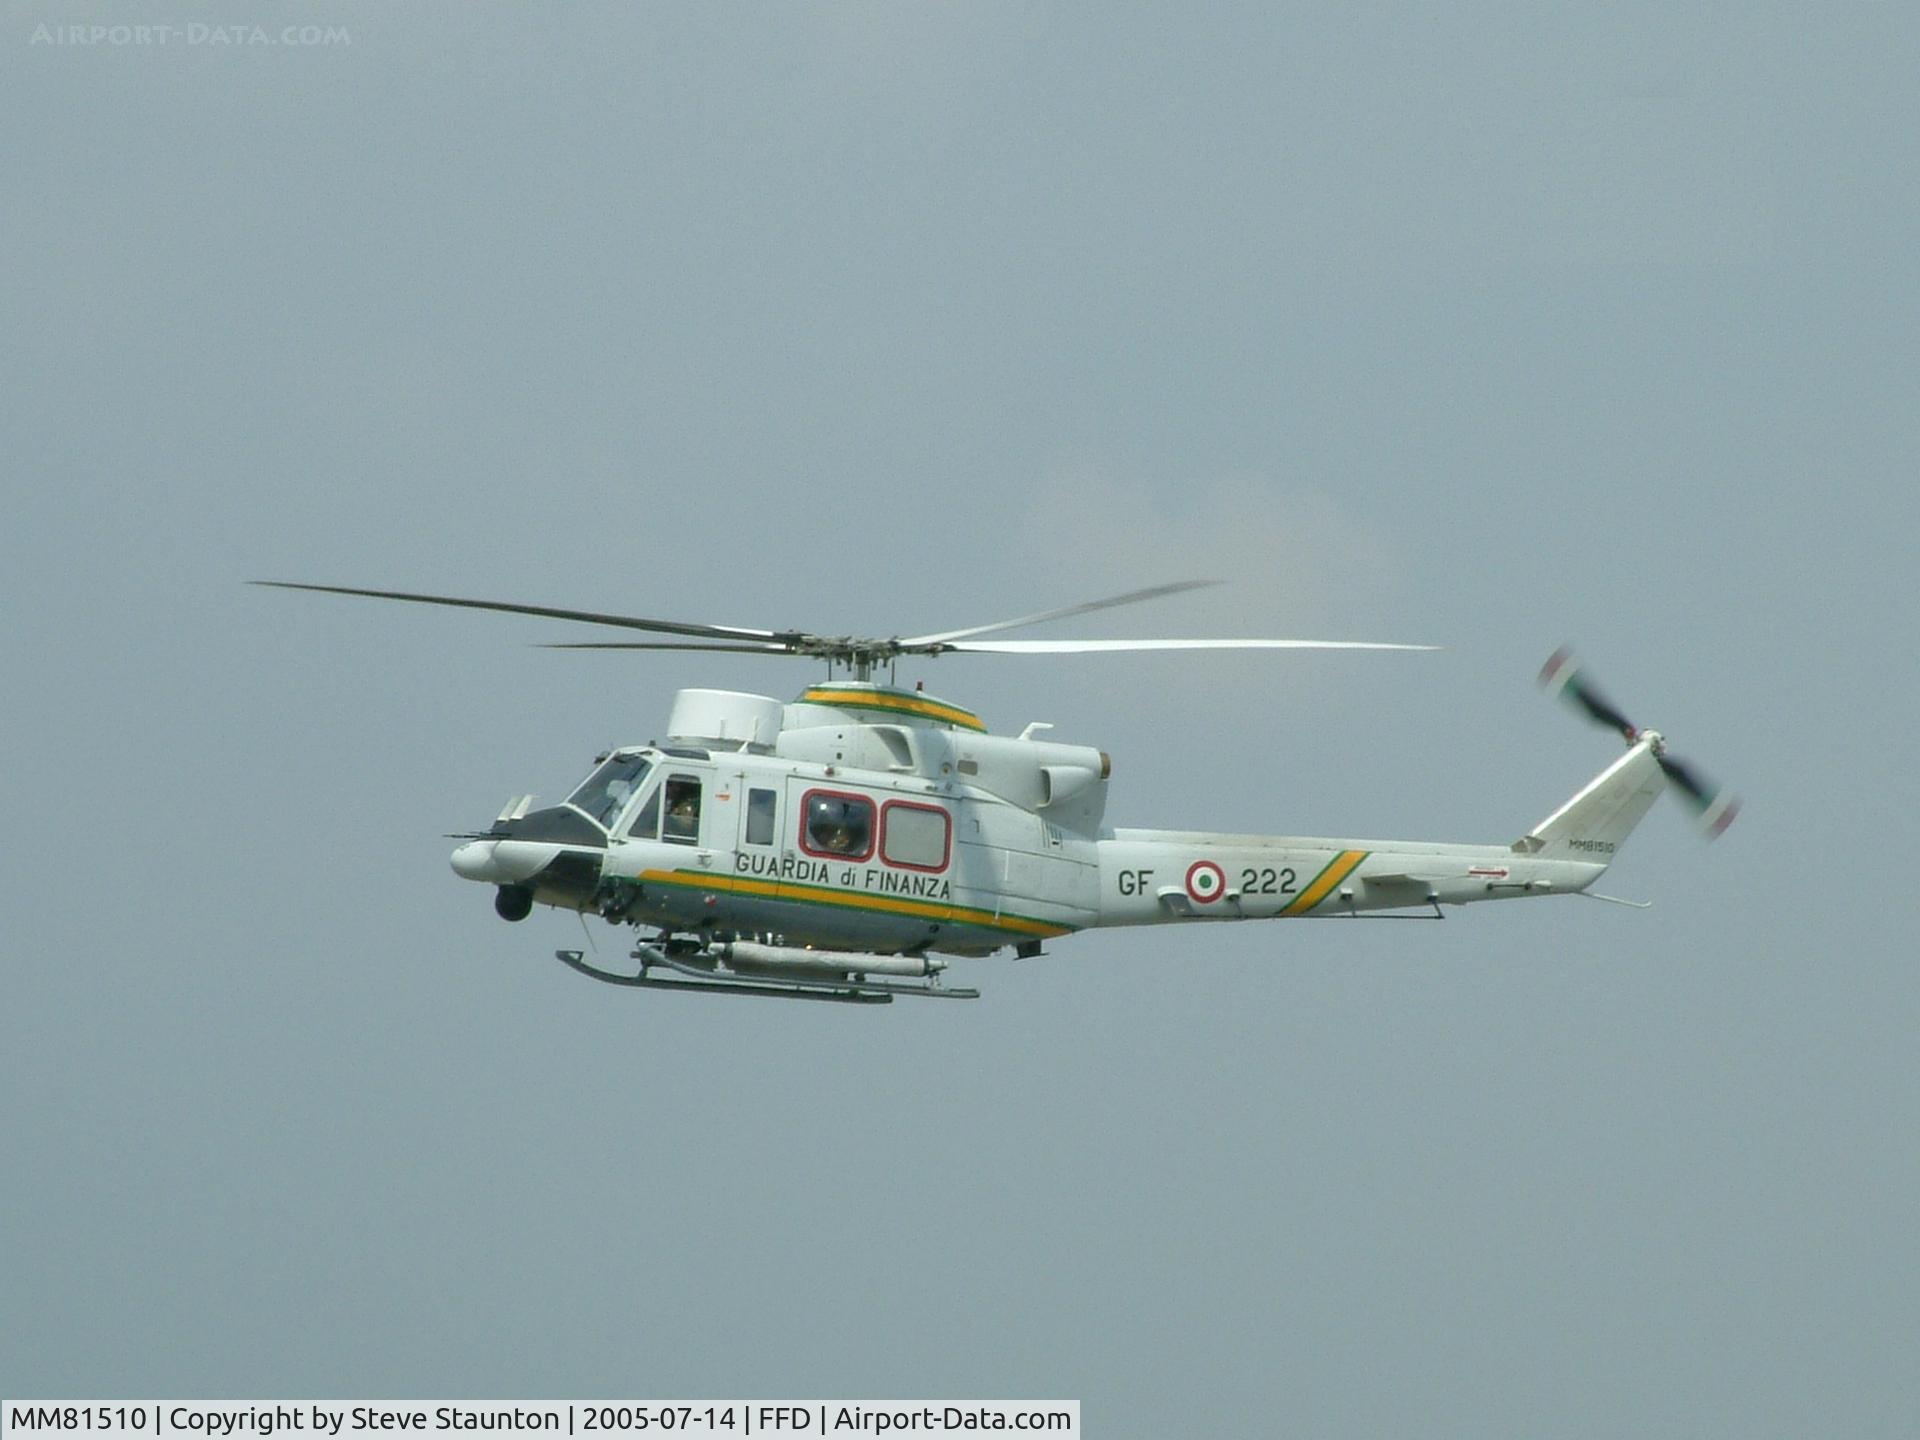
[870,904]
[1307,900]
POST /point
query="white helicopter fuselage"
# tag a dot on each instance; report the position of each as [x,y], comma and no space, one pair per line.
[885,822]
[833,848]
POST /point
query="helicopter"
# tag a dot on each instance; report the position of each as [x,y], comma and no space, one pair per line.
[843,845]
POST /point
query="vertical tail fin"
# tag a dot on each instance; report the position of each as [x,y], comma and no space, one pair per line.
[1595,822]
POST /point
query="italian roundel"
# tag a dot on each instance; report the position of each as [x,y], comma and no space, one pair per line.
[1205,882]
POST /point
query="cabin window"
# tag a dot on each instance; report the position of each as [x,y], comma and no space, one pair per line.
[646,825]
[680,825]
[605,793]
[760,805]
[916,836]
[839,826]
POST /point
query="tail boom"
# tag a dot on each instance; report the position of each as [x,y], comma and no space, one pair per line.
[1150,877]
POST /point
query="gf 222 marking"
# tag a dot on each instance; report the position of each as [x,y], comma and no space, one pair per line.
[1267,882]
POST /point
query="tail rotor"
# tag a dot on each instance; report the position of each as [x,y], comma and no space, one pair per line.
[1714,805]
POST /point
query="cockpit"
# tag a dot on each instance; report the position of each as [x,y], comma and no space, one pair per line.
[605,794]
[671,808]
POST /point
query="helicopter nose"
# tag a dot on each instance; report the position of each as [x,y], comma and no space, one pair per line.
[502,862]
[473,860]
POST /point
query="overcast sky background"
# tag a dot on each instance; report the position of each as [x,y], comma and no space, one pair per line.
[1488,326]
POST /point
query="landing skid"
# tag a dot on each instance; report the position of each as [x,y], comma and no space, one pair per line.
[848,992]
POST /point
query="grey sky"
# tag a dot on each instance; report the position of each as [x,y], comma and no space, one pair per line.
[1486,326]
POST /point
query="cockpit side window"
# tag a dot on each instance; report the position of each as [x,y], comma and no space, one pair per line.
[646,825]
[681,824]
[605,793]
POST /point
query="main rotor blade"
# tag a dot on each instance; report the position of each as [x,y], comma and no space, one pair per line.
[589,617]
[1153,592]
[770,648]
[1078,647]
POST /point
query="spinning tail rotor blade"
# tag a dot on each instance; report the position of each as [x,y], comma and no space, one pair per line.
[1686,780]
[1715,806]
[1561,676]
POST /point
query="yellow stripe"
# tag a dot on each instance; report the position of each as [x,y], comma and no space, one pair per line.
[1342,865]
[885,904]
[894,703]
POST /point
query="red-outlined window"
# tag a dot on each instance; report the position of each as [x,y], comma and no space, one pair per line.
[914,837]
[835,825]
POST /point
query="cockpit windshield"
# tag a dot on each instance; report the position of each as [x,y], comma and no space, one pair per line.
[605,793]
